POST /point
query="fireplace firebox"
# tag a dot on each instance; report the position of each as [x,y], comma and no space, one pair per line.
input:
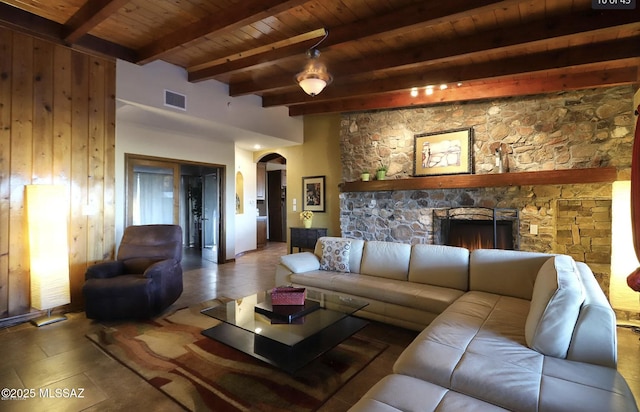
[477,228]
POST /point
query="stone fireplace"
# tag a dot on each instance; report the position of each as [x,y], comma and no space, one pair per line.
[572,130]
[477,227]
[571,219]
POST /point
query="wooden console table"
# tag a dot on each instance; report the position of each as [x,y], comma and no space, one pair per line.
[304,238]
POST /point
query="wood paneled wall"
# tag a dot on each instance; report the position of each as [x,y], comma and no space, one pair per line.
[57,126]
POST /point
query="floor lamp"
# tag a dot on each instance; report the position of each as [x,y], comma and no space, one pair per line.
[47,209]
[633,280]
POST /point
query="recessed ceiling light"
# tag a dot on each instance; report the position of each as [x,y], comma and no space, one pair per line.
[414,92]
[443,87]
[256,146]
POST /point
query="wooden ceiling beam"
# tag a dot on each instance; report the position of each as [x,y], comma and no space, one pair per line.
[496,40]
[608,51]
[24,22]
[471,92]
[416,15]
[92,13]
[313,35]
[517,56]
[233,18]
[254,61]
[94,45]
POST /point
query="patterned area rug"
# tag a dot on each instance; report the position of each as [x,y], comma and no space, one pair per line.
[202,374]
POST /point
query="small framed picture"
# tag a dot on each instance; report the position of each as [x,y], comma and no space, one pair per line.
[313,193]
[443,153]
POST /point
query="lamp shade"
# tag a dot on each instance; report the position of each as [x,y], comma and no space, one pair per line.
[47,209]
[312,86]
[315,77]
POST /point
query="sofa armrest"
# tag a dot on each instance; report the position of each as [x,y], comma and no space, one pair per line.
[167,267]
[594,336]
[104,270]
[295,263]
[300,262]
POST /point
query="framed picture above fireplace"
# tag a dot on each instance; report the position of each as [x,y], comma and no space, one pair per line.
[443,153]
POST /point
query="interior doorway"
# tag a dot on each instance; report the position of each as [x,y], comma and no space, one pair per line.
[271,196]
[200,217]
[169,191]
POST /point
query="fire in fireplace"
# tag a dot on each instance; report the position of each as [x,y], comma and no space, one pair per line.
[479,234]
[477,228]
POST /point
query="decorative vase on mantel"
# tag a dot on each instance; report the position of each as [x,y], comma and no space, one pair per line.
[381,172]
[307,223]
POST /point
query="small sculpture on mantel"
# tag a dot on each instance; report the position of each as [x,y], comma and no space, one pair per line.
[499,160]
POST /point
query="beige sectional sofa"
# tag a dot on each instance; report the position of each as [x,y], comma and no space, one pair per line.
[500,330]
[405,285]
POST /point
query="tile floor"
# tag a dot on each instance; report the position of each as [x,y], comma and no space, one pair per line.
[60,356]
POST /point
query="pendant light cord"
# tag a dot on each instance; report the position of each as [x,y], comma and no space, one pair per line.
[326,33]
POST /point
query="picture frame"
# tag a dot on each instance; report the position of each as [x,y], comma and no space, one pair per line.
[443,153]
[313,193]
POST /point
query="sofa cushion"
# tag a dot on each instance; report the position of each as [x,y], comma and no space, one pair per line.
[355,252]
[137,266]
[555,306]
[432,299]
[403,393]
[438,265]
[493,271]
[386,259]
[335,255]
[590,388]
[477,347]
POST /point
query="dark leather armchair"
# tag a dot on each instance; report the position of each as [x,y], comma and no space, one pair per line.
[145,278]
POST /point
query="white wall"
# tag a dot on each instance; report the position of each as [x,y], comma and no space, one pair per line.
[208,101]
[212,129]
[246,227]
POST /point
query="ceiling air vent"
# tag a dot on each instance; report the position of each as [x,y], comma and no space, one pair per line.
[175,100]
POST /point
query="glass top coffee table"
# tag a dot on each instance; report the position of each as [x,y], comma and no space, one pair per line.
[287,341]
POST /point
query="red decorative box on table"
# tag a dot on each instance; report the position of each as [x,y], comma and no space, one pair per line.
[287,296]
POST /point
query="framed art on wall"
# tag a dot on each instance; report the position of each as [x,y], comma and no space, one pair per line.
[442,153]
[313,192]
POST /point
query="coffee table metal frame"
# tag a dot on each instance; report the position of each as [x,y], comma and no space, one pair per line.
[288,346]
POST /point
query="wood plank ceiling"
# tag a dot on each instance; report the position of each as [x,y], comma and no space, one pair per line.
[376,50]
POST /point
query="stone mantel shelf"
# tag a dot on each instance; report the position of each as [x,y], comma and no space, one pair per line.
[545,177]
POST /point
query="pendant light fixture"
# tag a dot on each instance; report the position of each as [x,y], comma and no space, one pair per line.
[315,77]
